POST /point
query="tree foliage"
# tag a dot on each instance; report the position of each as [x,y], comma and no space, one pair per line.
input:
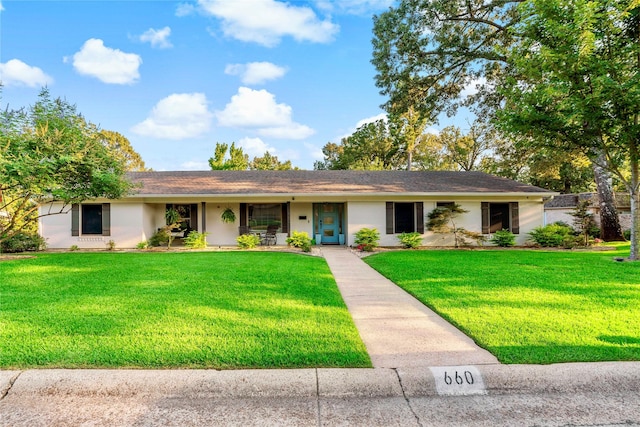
[227,157]
[49,154]
[576,76]
[237,159]
[121,148]
[269,162]
[438,55]
[371,147]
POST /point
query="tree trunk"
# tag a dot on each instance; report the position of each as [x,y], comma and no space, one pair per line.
[635,225]
[610,230]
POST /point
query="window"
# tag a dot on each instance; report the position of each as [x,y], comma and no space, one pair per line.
[188,215]
[405,217]
[263,215]
[91,219]
[445,204]
[500,216]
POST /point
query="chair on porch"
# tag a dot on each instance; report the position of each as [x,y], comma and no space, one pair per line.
[269,238]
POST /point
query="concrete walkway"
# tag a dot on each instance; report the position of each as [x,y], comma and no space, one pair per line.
[397,329]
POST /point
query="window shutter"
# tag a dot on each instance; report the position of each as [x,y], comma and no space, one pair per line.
[106,219]
[420,217]
[285,217]
[389,217]
[243,214]
[75,219]
[515,217]
[485,218]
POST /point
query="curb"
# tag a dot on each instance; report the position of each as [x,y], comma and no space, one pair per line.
[598,377]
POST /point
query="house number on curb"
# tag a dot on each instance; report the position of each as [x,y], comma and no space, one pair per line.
[458,380]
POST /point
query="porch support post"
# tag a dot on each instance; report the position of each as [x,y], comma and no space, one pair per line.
[203,215]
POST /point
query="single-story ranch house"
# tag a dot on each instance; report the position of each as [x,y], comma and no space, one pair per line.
[330,206]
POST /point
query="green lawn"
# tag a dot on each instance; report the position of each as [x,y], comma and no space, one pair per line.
[529,306]
[177,309]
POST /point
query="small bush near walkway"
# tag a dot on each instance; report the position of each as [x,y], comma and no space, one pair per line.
[367,239]
[410,240]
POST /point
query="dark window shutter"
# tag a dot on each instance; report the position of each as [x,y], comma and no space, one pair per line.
[485,218]
[515,217]
[389,217]
[285,217]
[243,214]
[75,219]
[420,217]
[106,219]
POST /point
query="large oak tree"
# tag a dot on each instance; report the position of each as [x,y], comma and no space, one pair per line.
[427,52]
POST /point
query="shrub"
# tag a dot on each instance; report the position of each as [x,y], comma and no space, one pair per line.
[443,219]
[553,235]
[410,240]
[74,248]
[111,245]
[627,234]
[503,238]
[367,239]
[160,237]
[300,239]
[248,241]
[196,240]
[23,242]
[142,245]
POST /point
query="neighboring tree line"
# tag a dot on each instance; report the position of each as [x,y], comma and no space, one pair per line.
[557,82]
[227,157]
[382,145]
[51,156]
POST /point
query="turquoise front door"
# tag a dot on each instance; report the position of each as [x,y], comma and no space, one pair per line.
[328,221]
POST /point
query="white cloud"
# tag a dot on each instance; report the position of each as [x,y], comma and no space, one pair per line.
[267,21]
[472,87]
[106,64]
[255,147]
[185,9]
[255,72]
[314,152]
[1,7]
[257,109]
[432,130]
[194,165]
[157,38]
[16,73]
[355,7]
[178,116]
[373,119]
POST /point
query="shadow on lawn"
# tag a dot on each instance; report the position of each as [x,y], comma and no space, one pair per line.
[620,339]
[547,354]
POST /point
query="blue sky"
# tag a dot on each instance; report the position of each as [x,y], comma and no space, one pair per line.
[177,77]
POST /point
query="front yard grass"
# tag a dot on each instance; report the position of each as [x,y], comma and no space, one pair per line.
[167,310]
[529,306]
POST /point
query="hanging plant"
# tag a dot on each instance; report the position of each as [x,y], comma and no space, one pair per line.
[228,216]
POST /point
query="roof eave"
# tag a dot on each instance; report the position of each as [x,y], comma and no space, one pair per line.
[343,195]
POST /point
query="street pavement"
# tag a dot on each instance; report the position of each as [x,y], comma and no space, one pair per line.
[426,373]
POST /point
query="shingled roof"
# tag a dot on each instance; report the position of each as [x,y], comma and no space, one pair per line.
[299,182]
